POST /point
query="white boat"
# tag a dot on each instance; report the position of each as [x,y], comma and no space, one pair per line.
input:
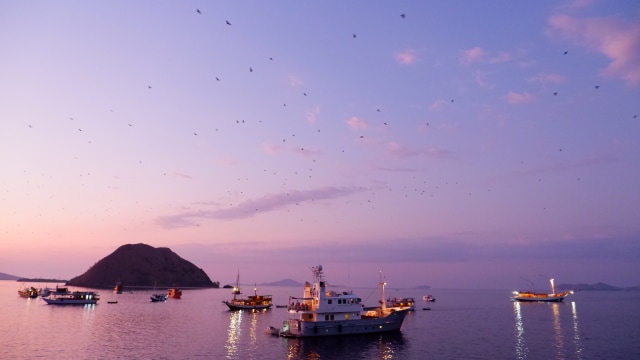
[251,302]
[324,312]
[159,297]
[531,296]
[401,303]
[73,298]
[428,298]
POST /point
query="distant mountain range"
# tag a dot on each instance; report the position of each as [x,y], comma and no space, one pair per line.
[597,286]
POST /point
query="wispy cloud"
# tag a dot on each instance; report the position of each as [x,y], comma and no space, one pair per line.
[406,57]
[356,123]
[472,55]
[518,98]
[478,54]
[271,148]
[295,81]
[312,115]
[252,207]
[181,175]
[398,150]
[618,39]
[437,104]
[481,79]
[547,78]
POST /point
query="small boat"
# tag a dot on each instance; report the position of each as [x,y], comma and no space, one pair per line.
[118,288]
[73,298]
[401,303]
[281,306]
[28,292]
[174,293]
[159,297]
[324,312]
[531,296]
[272,330]
[112,302]
[44,292]
[428,298]
[251,302]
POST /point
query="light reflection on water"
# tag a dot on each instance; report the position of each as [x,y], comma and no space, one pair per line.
[555,315]
[558,337]
[577,341]
[521,348]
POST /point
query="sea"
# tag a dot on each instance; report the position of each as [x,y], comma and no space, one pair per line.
[460,324]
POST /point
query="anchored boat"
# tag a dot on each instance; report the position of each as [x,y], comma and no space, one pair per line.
[73,298]
[324,312]
[543,297]
[251,302]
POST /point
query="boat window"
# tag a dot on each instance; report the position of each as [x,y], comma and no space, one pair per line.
[329,301]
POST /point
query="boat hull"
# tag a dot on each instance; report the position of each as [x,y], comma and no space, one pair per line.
[298,328]
[247,307]
[536,297]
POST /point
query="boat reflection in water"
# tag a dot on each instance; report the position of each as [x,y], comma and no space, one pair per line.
[238,343]
[389,345]
[538,333]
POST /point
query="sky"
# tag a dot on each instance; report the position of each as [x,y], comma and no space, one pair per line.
[457,144]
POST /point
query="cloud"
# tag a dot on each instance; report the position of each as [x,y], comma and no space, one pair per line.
[400,151]
[271,148]
[481,79]
[295,81]
[249,208]
[501,57]
[312,115]
[406,57]
[479,55]
[356,123]
[437,104]
[617,39]
[518,98]
[181,175]
[472,55]
[545,78]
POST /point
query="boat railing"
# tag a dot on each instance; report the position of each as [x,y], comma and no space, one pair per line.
[299,307]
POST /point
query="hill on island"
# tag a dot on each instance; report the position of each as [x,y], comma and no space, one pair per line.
[141,265]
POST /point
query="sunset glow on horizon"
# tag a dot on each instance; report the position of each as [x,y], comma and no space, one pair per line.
[457,145]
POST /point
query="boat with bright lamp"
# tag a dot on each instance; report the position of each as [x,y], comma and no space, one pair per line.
[532,296]
[324,312]
[73,298]
[251,302]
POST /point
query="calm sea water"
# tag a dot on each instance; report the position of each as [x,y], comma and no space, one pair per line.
[462,324]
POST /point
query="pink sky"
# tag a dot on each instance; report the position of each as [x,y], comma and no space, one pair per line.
[463,145]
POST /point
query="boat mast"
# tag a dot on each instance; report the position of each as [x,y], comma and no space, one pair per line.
[236,289]
[383,302]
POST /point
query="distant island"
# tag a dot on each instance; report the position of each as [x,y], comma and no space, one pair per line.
[284,282]
[39,280]
[597,286]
